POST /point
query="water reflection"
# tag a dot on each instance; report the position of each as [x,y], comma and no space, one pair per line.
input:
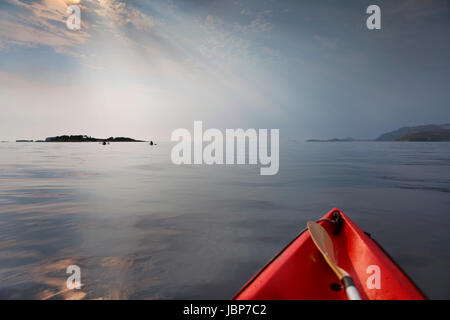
[141,228]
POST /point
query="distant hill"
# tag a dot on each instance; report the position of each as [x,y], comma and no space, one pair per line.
[420,133]
[84,138]
[434,135]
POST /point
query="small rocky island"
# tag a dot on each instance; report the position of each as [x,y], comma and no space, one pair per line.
[336,140]
[84,138]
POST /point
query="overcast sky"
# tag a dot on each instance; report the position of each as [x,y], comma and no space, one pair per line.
[145,68]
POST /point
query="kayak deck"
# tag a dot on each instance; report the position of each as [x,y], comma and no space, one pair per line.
[299,272]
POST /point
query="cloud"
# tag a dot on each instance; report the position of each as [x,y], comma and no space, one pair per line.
[39,23]
[414,9]
[121,26]
[246,12]
[44,23]
[211,21]
[119,14]
[259,23]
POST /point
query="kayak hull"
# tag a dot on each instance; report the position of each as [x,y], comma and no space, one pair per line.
[299,272]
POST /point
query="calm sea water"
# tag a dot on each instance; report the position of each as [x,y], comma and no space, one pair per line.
[140,227]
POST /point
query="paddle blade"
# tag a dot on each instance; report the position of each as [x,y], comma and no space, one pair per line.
[325,245]
[322,240]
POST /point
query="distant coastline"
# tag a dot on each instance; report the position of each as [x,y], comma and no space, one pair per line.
[424,133]
[432,132]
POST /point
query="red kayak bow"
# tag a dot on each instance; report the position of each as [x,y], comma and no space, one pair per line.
[299,271]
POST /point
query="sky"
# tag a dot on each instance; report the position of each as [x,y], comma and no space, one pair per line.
[143,69]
